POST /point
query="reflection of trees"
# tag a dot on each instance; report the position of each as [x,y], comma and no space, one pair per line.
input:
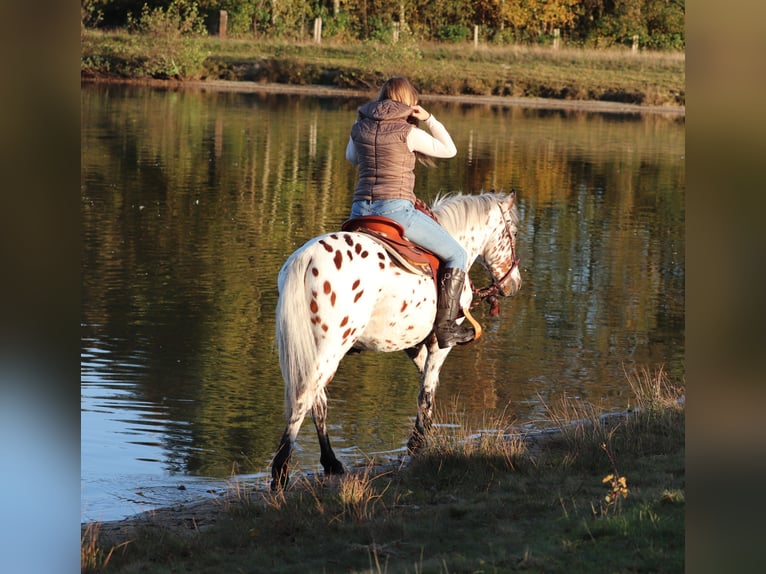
[584,181]
[600,288]
[191,201]
[188,211]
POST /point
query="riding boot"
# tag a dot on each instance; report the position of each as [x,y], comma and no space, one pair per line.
[448,331]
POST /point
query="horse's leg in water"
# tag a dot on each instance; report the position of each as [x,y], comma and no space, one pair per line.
[279,467]
[429,359]
[327,457]
[279,474]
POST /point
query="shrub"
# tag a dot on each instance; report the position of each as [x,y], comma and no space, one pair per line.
[173,38]
[337,27]
[454,33]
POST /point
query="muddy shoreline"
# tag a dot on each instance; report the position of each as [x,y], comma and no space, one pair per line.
[329,91]
[193,518]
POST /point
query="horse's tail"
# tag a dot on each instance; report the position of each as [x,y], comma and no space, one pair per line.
[295,338]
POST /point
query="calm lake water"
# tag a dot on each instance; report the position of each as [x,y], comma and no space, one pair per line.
[191,200]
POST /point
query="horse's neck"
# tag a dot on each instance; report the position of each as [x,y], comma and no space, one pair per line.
[472,250]
[472,242]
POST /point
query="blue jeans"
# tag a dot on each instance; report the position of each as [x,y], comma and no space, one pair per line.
[418,228]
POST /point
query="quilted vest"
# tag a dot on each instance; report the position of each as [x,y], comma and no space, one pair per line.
[386,165]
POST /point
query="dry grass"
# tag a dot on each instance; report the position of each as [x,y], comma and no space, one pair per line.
[461,437]
[655,415]
[94,558]
[654,392]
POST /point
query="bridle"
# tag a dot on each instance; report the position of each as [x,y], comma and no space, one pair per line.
[489,294]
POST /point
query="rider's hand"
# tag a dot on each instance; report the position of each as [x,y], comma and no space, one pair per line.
[420,112]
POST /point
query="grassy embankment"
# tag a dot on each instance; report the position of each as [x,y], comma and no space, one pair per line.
[645,78]
[604,495]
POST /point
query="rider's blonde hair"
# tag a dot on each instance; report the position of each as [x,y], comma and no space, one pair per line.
[398,89]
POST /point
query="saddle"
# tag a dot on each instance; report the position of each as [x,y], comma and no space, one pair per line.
[412,257]
[390,234]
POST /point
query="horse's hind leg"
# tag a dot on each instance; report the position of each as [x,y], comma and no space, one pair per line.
[329,461]
[279,473]
[281,462]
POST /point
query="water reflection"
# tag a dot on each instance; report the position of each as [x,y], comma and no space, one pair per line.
[191,201]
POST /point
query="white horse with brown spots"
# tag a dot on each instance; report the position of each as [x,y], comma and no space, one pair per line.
[342,291]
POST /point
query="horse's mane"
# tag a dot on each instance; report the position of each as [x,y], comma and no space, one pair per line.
[455,210]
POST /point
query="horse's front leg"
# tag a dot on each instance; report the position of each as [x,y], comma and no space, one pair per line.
[429,360]
[422,422]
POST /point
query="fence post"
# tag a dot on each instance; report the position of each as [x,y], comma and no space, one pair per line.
[223,23]
[634,48]
[475,35]
[556,38]
[318,30]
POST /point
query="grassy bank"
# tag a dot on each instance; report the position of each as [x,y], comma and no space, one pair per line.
[645,78]
[603,494]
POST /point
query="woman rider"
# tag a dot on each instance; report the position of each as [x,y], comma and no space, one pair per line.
[384,144]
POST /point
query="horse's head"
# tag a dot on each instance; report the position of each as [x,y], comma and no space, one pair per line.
[499,254]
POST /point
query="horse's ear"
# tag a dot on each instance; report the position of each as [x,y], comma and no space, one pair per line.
[511,198]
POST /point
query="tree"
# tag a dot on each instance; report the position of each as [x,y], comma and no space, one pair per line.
[533,18]
[658,23]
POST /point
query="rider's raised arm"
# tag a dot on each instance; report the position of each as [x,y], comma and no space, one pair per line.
[436,144]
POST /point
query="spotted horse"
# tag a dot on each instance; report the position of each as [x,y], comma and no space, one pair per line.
[343,292]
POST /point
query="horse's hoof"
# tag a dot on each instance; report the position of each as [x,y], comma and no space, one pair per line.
[279,481]
[416,444]
[335,468]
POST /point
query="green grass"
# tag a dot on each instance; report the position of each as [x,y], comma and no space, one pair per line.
[474,501]
[647,78]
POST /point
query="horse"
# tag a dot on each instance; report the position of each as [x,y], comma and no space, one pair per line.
[341,292]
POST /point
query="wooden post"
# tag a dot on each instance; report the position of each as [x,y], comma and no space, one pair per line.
[396,32]
[476,36]
[556,38]
[318,30]
[223,23]
[634,48]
